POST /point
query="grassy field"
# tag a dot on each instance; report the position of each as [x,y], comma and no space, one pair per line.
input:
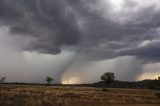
[14,95]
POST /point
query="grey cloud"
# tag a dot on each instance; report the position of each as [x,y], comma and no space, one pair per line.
[48,21]
[54,24]
[149,52]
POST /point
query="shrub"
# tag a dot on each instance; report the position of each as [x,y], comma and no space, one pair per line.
[158,95]
[105,90]
[151,87]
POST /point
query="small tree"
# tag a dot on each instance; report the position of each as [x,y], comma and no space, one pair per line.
[49,80]
[2,80]
[108,77]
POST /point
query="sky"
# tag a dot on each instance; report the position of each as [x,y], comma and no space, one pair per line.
[76,41]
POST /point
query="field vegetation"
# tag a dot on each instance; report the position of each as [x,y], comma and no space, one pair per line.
[25,95]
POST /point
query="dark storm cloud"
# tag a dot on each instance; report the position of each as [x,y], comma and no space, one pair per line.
[50,22]
[150,52]
[83,26]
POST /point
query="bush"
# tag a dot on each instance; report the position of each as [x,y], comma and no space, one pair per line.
[151,87]
[105,90]
[158,95]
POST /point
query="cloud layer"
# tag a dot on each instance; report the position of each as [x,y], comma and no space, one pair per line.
[102,29]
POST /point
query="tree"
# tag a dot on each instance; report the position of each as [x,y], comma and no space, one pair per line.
[108,77]
[2,80]
[49,80]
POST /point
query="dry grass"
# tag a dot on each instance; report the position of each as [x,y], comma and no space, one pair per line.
[11,95]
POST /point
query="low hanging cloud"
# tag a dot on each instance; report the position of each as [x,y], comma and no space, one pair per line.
[94,30]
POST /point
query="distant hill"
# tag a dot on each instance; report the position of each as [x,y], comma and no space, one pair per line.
[145,84]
